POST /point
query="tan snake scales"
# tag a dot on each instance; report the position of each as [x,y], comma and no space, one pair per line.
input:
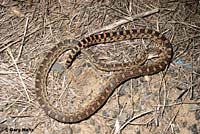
[165,57]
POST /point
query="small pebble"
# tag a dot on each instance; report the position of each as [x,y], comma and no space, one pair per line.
[78,71]
[57,68]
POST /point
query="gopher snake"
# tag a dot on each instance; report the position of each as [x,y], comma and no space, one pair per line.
[164,59]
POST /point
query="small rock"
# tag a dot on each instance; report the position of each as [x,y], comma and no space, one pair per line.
[57,68]
[78,71]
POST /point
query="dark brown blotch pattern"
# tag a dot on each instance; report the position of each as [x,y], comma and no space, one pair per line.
[119,78]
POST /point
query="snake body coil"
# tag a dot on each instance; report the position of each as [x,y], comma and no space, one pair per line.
[164,59]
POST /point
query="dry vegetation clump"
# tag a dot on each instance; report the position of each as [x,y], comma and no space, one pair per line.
[168,102]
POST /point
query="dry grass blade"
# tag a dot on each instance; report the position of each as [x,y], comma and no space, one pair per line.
[19,74]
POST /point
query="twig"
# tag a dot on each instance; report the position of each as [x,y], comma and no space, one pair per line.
[173,119]
[136,117]
[9,106]
[117,122]
[126,20]
[19,114]
[25,88]
[8,72]
[23,39]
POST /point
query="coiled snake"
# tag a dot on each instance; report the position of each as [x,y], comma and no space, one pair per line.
[164,59]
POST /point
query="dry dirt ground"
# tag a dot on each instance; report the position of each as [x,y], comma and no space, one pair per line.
[167,102]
